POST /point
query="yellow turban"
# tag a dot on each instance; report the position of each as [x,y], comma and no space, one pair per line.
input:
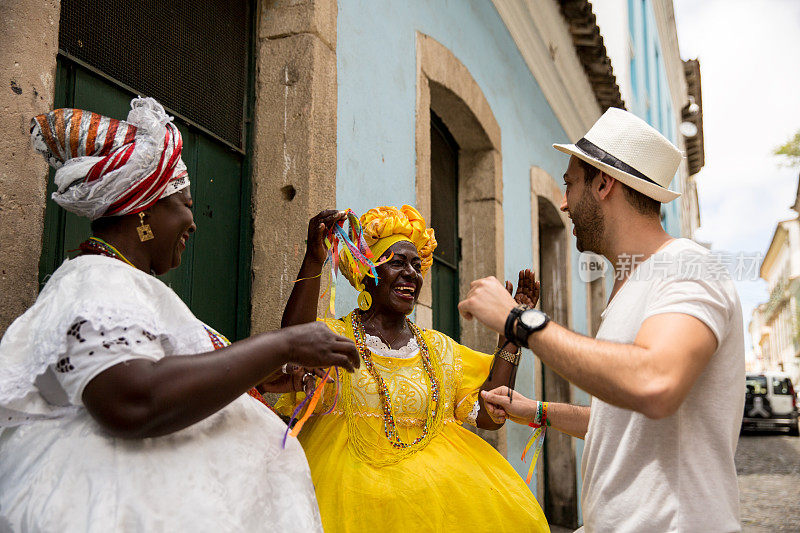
[385,226]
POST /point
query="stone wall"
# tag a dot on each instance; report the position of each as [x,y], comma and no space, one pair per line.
[29,42]
[294,153]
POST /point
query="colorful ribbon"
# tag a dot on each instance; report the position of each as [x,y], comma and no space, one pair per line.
[354,245]
[536,440]
[293,428]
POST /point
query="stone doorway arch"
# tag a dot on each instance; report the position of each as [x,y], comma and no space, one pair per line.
[445,86]
[552,254]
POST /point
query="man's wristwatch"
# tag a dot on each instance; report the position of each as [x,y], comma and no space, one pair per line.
[521,322]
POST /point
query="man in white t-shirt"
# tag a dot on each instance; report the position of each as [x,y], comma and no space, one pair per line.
[666,371]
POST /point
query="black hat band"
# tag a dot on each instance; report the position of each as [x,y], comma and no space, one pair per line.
[591,149]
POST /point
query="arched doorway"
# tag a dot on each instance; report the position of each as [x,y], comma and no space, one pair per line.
[458,157]
[552,253]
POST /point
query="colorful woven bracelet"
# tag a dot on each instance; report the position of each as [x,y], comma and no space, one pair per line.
[541,416]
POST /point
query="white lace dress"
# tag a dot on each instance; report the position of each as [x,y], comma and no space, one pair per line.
[60,472]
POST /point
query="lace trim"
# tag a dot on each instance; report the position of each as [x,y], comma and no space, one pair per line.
[472,417]
[376,345]
[48,349]
[366,448]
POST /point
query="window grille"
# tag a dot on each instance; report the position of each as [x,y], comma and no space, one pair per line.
[191,56]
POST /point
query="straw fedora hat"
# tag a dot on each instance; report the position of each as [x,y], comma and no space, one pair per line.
[627,148]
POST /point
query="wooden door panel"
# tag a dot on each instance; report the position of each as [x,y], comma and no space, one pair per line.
[444,220]
[218,182]
[445,300]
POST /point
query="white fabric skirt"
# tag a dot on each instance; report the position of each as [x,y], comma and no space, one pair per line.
[225,473]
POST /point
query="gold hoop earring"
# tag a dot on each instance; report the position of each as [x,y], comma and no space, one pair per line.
[144,230]
[364,300]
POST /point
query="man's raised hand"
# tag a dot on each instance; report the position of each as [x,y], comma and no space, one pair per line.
[489,302]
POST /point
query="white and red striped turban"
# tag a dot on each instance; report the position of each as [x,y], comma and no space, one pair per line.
[109,167]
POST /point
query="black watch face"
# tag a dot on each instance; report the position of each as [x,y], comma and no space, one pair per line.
[532,318]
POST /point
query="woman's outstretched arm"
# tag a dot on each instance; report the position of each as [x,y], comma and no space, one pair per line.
[504,373]
[141,398]
[302,305]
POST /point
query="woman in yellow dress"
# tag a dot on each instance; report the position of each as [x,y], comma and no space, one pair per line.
[391,454]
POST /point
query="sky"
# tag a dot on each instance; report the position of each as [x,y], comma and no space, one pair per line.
[749,52]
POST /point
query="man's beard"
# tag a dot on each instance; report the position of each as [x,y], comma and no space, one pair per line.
[589,224]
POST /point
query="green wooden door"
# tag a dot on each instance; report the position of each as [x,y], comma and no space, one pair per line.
[444,220]
[215,259]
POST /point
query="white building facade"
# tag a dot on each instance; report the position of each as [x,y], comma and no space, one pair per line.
[774,326]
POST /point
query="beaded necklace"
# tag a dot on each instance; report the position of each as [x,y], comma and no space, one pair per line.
[218,340]
[96,245]
[389,424]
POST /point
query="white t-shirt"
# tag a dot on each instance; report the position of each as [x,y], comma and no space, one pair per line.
[677,473]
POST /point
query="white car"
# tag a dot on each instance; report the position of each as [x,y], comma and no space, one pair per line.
[770,402]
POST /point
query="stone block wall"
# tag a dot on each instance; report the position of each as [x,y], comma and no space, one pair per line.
[294,153]
[29,42]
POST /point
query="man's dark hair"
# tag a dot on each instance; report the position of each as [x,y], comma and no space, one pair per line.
[642,203]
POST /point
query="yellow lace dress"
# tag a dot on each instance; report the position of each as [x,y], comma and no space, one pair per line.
[451,481]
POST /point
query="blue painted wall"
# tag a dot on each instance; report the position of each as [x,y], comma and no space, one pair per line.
[651,96]
[376,60]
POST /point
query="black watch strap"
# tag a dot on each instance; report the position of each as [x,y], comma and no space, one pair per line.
[511,322]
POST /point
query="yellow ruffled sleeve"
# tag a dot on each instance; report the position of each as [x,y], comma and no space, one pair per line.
[288,402]
[475,368]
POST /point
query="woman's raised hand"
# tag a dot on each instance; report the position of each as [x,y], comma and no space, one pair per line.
[318,227]
[527,294]
[302,305]
[527,288]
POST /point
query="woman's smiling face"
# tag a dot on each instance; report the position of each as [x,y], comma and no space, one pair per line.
[399,280]
[172,222]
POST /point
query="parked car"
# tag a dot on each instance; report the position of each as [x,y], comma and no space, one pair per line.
[770,402]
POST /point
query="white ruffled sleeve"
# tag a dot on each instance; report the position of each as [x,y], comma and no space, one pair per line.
[108,294]
[91,350]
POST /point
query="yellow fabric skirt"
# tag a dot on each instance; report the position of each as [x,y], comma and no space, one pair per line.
[458,482]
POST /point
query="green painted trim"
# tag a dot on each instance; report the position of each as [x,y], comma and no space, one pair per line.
[189,122]
[245,281]
[54,217]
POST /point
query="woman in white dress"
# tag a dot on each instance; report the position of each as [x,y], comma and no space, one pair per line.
[119,409]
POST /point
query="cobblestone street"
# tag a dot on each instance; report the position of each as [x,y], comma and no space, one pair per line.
[768,466]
